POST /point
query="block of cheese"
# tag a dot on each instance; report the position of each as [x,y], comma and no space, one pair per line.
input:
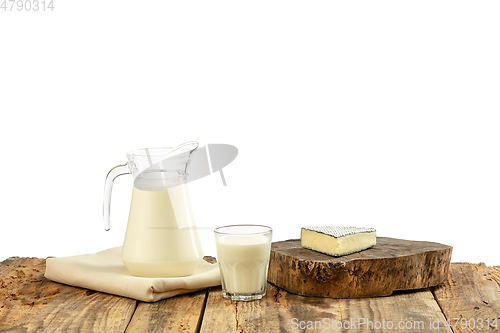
[337,241]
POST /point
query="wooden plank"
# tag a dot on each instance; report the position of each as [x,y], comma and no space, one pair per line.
[31,303]
[220,313]
[470,297]
[392,264]
[281,311]
[273,313]
[177,314]
[415,311]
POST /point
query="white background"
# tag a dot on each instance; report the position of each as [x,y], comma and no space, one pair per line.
[382,114]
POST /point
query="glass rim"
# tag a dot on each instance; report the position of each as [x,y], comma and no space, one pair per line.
[268,229]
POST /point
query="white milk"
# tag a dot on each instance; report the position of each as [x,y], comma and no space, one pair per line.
[244,261]
[160,239]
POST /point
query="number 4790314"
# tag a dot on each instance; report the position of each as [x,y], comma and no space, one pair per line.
[27,5]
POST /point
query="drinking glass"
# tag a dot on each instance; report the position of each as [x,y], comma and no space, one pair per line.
[243,254]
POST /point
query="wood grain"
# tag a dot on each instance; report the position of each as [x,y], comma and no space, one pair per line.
[392,264]
[281,311]
[413,311]
[494,273]
[220,313]
[179,314]
[273,313]
[471,292]
[31,303]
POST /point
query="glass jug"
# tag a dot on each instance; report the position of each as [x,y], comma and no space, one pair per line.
[161,238]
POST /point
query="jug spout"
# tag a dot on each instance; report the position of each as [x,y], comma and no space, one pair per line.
[165,167]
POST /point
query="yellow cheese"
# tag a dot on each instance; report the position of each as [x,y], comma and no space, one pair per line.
[337,241]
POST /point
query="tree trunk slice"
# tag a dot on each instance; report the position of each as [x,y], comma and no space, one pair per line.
[392,264]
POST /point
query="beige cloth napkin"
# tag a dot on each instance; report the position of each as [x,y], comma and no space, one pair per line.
[105,271]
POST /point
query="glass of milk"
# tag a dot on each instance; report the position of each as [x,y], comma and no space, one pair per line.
[243,254]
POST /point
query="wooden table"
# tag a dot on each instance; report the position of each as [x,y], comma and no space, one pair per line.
[31,303]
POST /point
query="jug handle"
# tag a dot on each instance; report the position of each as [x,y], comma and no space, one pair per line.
[118,170]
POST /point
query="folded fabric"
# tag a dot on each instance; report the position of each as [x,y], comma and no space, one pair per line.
[105,271]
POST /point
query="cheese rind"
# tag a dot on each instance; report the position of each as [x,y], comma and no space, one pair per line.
[337,241]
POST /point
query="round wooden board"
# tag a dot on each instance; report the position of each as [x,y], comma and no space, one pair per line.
[392,264]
